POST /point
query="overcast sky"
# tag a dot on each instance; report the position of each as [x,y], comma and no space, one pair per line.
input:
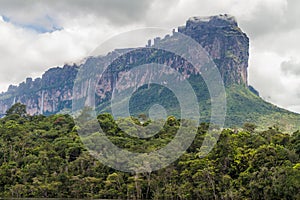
[36,35]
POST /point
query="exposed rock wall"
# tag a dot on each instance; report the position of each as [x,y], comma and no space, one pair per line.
[219,35]
[49,94]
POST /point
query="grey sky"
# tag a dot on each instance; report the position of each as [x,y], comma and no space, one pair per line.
[76,27]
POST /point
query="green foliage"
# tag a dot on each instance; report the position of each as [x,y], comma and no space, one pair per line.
[44,157]
[243,106]
[17,109]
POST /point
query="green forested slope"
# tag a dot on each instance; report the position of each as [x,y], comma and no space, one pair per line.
[242,106]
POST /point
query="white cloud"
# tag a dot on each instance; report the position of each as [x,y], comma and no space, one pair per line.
[291,67]
[27,53]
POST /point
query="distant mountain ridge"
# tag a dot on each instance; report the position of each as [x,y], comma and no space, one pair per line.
[219,35]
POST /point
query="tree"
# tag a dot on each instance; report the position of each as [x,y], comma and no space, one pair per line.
[249,127]
[18,109]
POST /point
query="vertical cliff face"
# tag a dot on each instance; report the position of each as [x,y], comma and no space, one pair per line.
[224,41]
[47,95]
[219,35]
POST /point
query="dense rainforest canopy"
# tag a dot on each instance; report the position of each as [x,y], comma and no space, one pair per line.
[44,157]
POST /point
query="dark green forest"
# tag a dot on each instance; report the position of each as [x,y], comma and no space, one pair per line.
[44,157]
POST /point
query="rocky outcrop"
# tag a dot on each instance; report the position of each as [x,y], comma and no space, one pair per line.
[228,46]
[47,95]
[219,35]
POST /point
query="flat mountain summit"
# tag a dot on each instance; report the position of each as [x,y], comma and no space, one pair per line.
[220,36]
[217,20]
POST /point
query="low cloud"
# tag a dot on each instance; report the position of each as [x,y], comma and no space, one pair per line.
[291,67]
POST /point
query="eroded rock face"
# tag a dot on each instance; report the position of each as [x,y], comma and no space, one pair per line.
[47,95]
[219,35]
[228,46]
